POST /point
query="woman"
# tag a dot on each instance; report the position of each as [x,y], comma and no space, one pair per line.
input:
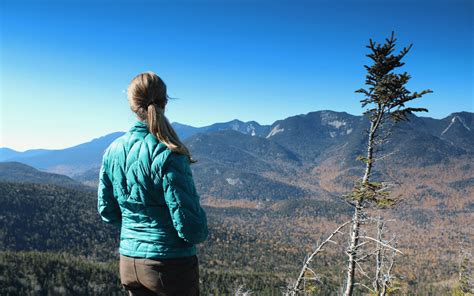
[146,188]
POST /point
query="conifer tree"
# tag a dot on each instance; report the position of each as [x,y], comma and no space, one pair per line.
[386,98]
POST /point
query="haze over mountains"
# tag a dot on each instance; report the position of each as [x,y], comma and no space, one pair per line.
[322,128]
[280,160]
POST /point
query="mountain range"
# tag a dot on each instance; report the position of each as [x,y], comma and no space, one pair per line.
[270,191]
[294,157]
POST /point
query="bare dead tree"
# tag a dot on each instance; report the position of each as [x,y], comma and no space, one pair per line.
[384,260]
[296,287]
[242,292]
[386,97]
[379,251]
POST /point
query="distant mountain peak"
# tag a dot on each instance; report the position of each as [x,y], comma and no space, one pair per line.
[235,124]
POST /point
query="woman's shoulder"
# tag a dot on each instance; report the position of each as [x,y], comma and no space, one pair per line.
[130,146]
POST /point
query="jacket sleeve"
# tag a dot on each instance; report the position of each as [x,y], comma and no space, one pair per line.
[189,218]
[107,204]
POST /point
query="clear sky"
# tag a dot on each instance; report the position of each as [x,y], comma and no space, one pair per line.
[65,65]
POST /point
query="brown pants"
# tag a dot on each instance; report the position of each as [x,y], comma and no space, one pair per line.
[165,277]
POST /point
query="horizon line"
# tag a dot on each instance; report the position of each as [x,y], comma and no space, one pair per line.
[174,122]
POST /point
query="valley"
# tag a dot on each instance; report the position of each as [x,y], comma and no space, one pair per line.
[271,192]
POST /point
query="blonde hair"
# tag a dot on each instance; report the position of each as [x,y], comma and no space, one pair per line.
[148,97]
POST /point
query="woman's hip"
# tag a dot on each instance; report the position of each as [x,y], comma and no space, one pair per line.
[174,276]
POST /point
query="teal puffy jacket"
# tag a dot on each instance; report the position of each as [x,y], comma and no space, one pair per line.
[148,191]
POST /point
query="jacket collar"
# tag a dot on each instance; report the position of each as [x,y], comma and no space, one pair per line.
[139,126]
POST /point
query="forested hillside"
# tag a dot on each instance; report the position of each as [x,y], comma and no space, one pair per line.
[53,237]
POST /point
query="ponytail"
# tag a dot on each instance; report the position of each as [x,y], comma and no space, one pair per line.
[147,97]
[159,126]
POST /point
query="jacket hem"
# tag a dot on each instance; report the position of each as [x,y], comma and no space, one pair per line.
[158,255]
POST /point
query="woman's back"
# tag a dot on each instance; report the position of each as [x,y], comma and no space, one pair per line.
[148,190]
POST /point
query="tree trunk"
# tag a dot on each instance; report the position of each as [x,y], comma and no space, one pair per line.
[352,251]
[378,281]
[353,245]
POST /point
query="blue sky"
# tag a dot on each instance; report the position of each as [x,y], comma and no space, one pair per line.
[65,65]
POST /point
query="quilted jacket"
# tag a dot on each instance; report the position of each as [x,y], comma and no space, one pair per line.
[148,191]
